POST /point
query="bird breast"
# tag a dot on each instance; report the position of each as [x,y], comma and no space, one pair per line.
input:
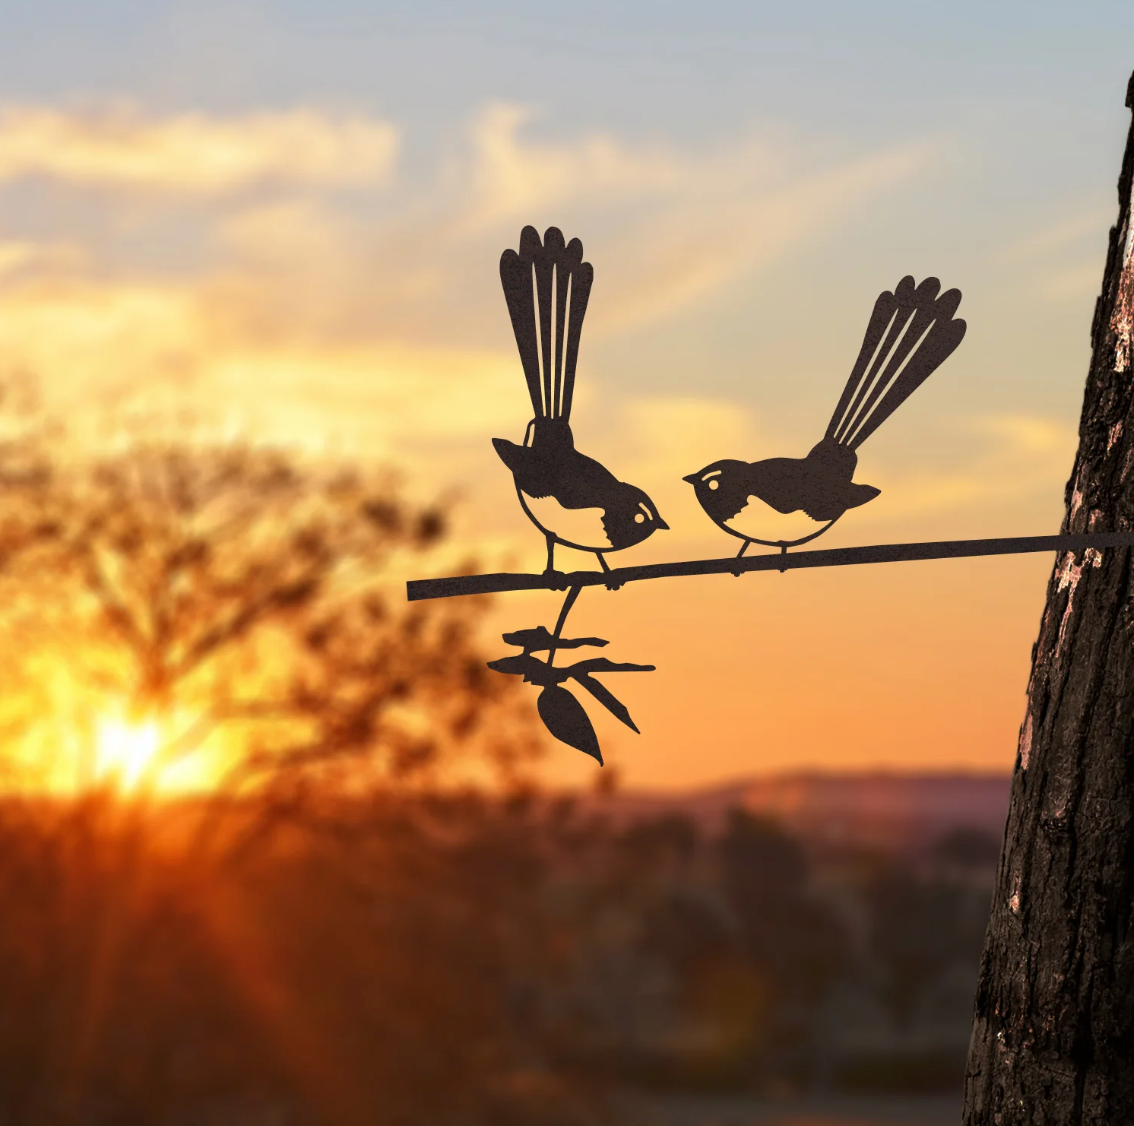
[760,521]
[580,526]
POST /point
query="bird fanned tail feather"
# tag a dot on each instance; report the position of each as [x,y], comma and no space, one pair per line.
[547,286]
[912,331]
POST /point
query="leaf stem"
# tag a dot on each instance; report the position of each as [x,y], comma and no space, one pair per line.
[568,602]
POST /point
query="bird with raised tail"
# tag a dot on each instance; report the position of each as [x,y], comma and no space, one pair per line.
[573,499]
[783,501]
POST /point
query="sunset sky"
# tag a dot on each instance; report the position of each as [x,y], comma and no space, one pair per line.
[284,220]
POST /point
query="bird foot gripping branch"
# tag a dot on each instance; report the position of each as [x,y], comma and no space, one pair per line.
[578,503]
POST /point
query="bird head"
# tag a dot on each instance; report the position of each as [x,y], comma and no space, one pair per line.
[715,484]
[633,518]
[647,516]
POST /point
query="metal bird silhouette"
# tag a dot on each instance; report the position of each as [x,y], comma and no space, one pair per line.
[912,331]
[571,498]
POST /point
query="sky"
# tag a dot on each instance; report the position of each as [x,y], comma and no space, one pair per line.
[284,221]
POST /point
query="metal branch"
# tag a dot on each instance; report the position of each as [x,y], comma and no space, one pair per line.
[418,590]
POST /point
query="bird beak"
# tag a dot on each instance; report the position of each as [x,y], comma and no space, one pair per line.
[693,478]
[663,525]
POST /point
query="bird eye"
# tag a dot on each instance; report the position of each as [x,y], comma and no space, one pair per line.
[639,518]
[714,484]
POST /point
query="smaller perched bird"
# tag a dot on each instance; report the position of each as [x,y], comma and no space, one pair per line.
[784,501]
[570,497]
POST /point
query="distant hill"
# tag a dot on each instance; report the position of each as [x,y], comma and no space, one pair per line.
[879,808]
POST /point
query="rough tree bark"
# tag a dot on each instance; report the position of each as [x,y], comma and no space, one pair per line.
[1053,1030]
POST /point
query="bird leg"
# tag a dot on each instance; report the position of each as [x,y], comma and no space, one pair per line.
[605,566]
[744,547]
[783,551]
[556,576]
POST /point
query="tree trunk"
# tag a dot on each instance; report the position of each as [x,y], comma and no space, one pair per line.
[1053,1030]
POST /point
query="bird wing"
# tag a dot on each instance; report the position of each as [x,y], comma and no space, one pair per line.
[781,482]
[536,475]
[911,333]
[546,287]
[584,483]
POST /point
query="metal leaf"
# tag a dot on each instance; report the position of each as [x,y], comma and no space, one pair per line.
[539,639]
[565,718]
[532,669]
[603,664]
[518,665]
[608,700]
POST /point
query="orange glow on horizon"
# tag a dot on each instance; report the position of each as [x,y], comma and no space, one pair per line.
[131,756]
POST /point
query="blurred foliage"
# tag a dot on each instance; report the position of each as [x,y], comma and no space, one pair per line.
[337,932]
[417,958]
[250,600]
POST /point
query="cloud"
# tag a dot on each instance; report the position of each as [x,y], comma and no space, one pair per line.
[23,259]
[666,227]
[377,324]
[1063,258]
[1086,226]
[1064,283]
[730,224]
[1026,436]
[512,176]
[996,459]
[378,400]
[101,351]
[671,225]
[676,225]
[193,154]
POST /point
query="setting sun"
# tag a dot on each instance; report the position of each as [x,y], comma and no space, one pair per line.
[132,755]
[125,752]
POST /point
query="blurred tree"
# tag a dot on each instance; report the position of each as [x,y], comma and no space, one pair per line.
[789,934]
[357,971]
[966,848]
[243,604]
[919,928]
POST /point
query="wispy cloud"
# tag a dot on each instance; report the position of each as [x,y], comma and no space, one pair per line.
[191,153]
[1089,224]
[512,174]
[364,321]
[148,349]
[731,222]
[677,224]
[1064,256]
[999,459]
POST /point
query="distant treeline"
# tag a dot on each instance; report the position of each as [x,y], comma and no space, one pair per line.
[460,959]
